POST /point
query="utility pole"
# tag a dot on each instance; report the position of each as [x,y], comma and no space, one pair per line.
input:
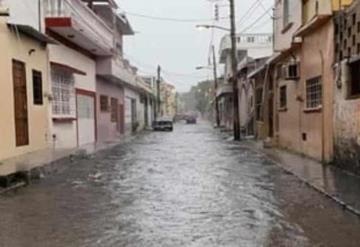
[237,134]
[158,81]
[216,87]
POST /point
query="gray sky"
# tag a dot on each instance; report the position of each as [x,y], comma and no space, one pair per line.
[178,46]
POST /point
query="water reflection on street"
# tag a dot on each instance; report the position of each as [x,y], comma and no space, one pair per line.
[191,187]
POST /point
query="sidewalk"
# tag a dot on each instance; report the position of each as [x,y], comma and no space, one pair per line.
[336,184]
[36,163]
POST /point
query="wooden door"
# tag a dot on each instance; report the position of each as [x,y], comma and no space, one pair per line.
[20,104]
[121,123]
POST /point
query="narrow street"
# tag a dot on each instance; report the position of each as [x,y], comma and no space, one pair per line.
[191,187]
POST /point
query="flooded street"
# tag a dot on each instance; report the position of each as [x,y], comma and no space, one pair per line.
[191,187]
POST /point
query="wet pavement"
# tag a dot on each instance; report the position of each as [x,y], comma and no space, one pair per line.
[191,187]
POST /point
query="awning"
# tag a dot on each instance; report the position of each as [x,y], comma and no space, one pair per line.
[32,33]
[256,71]
[67,68]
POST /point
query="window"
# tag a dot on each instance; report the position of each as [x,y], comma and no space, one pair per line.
[63,93]
[354,87]
[250,39]
[286,13]
[293,71]
[354,19]
[258,99]
[114,110]
[37,87]
[313,93]
[104,103]
[283,97]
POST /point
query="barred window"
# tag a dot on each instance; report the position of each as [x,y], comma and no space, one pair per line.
[313,92]
[63,92]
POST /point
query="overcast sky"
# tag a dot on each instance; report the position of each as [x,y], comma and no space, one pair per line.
[178,46]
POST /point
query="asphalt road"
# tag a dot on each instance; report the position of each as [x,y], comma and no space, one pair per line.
[191,187]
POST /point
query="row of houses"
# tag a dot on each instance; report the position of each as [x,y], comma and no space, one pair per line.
[64,80]
[300,89]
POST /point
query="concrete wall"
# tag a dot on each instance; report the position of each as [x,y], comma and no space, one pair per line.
[246,107]
[288,120]
[346,124]
[106,129]
[283,35]
[25,12]
[129,95]
[296,120]
[66,133]
[309,9]
[320,47]
[18,49]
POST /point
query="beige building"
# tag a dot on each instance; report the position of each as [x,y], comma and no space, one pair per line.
[168,99]
[24,86]
[297,89]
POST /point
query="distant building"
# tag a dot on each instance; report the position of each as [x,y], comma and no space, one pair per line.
[250,47]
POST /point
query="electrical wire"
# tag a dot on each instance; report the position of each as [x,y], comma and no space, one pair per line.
[263,7]
[256,21]
[158,18]
[248,13]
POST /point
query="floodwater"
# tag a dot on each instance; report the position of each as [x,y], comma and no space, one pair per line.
[191,187]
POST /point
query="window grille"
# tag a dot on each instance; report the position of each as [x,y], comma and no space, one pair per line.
[313,93]
[63,93]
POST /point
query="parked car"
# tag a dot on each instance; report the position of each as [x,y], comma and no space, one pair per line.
[191,120]
[163,124]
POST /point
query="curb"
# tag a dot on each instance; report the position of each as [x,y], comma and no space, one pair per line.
[340,202]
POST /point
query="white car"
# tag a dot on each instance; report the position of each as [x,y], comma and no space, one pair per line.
[163,124]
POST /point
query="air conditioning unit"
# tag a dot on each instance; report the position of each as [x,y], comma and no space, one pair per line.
[291,71]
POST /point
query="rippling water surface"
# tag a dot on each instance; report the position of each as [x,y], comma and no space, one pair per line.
[191,187]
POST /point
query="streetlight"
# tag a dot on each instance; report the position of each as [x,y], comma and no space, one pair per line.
[232,30]
[200,27]
[215,85]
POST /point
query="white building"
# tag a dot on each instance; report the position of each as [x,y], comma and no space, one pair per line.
[250,48]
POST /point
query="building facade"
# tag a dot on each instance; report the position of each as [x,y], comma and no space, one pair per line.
[346,88]
[90,92]
[249,47]
[24,89]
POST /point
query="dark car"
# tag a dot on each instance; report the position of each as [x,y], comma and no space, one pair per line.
[163,124]
[191,120]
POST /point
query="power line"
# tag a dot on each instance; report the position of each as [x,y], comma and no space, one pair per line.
[158,18]
[263,7]
[256,21]
[249,12]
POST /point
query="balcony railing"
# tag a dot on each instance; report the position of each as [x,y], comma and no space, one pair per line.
[83,20]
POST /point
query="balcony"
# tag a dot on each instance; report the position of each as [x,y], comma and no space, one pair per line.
[116,70]
[76,23]
[224,89]
[254,45]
